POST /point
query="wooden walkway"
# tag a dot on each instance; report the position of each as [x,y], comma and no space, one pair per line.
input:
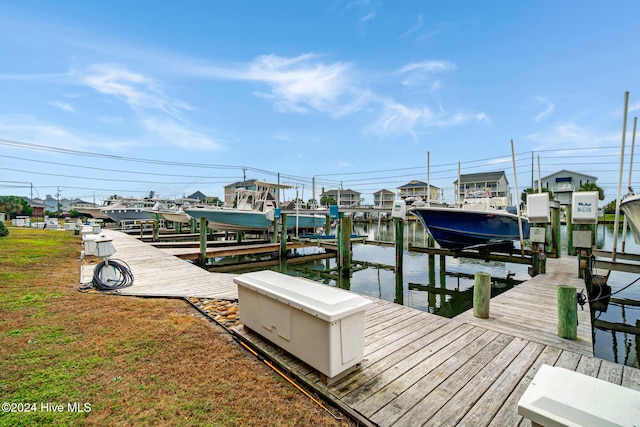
[423,369]
[214,252]
[157,273]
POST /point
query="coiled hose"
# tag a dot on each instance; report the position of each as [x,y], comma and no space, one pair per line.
[120,275]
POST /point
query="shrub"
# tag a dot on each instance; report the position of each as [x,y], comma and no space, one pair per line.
[3,229]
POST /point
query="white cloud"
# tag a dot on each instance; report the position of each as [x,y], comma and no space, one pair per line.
[298,84]
[368,17]
[63,106]
[570,135]
[28,129]
[549,109]
[399,119]
[180,136]
[415,27]
[135,89]
[422,73]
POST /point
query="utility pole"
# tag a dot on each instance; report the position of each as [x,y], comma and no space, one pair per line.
[58,201]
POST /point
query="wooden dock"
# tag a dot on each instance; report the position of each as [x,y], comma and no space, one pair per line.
[215,252]
[419,368]
[157,273]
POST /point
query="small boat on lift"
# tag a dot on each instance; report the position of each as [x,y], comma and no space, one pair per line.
[250,214]
[630,206]
[478,222]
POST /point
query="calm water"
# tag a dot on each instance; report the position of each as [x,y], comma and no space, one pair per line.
[451,293]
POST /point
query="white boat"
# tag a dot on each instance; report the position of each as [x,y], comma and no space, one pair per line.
[132,210]
[630,206]
[250,213]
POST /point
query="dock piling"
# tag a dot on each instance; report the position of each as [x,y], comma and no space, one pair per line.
[203,241]
[481,294]
[567,312]
[399,234]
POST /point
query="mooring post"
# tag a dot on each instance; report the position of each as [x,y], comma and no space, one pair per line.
[567,312]
[274,234]
[571,250]
[556,232]
[203,241]
[399,297]
[327,225]
[283,236]
[443,271]
[432,262]
[345,244]
[193,225]
[156,228]
[399,228]
[481,294]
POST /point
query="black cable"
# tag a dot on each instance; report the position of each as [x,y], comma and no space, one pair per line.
[124,275]
[611,294]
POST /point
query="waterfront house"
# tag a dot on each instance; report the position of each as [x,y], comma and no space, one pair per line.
[384,199]
[346,198]
[418,189]
[259,187]
[563,183]
[495,183]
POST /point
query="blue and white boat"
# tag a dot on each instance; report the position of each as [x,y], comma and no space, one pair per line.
[250,213]
[477,223]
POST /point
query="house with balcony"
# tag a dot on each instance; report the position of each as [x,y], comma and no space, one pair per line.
[495,183]
[259,187]
[418,190]
[384,199]
[345,198]
[563,183]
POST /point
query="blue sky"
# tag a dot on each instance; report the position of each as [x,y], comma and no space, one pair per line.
[128,97]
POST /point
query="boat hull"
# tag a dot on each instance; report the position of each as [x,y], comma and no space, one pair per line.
[180,217]
[129,214]
[457,229]
[96,213]
[239,220]
[630,206]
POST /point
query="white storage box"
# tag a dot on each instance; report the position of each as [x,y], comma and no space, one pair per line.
[584,208]
[321,325]
[538,208]
[560,397]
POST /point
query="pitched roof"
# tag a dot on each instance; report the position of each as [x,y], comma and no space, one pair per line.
[415,183]
[384,191]
[347,191]
[197,195]
[481,176]
[568,171]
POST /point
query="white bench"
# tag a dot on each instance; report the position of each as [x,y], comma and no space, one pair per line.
[321,325]
[560,397]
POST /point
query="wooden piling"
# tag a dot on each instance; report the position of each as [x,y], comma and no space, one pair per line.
[327,225]
[571,250]
[481,294]
[555,249]
[283,236]
[399,235]
[274,235]
[203,241]
[345,245]
[567,312]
